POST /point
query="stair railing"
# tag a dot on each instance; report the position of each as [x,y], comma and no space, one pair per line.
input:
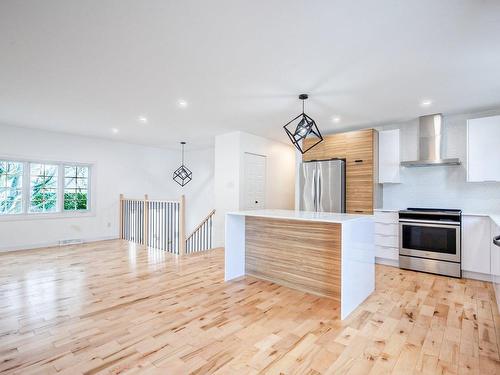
[201,238]
[155,223]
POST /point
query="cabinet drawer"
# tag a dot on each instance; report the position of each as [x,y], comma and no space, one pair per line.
[386,217]
[386,252]
[387,241]
[387,229]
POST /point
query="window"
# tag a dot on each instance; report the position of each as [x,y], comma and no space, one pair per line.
[43,187]
[11,187]
[34,188]
[76,182]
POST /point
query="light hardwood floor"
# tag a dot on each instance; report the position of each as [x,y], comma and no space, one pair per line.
[111,307]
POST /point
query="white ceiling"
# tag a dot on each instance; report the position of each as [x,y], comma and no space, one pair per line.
[85,67]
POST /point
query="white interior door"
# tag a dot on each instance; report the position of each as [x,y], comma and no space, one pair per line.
[254,182]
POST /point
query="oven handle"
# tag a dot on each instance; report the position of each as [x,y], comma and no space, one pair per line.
[496,241]
[429,222]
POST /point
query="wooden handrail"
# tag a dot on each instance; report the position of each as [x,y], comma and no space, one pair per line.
[201,224]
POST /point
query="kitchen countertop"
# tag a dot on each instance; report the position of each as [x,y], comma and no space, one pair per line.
[325,217]
[496,219]
[493,216]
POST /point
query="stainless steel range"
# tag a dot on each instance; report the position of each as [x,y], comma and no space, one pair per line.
[430,240]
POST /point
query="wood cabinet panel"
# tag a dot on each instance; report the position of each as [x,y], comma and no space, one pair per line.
[360,145]
[277,251]
[360,171]
[333,146]
[357,148]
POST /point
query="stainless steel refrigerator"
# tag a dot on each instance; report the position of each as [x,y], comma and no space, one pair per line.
[322,186]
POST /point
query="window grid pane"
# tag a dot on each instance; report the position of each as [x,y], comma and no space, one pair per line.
[43,187]
[11,179]
[75,187]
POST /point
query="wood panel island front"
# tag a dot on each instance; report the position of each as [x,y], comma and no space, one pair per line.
[326,254]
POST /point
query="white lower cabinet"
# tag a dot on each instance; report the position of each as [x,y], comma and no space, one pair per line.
[387,236]
[495,261]
[387,252]
[476,249]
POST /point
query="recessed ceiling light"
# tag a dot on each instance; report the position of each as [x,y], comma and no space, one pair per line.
[114,130]
[142,119]
[336,119]
[426,103]
[182,103]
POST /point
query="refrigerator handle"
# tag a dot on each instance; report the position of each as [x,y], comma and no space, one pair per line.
[319,208]
[314,189]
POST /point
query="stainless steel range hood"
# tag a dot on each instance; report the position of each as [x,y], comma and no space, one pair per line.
[431,141]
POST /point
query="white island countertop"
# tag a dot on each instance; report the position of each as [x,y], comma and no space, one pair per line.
[324,217]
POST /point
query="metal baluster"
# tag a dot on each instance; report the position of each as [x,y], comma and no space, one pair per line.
[171,227]
[205,235]
[153,223]
[157,229]
[149,224]
[165,236]
[124,219]
[162,225]
[176,228]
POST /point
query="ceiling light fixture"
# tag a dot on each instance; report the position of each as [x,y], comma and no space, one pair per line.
[182,103]
[302,127]
[114,130]
[336,119]
[182,175]
[426,103]
[142,119]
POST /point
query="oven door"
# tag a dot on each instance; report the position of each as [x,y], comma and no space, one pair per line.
[432,241]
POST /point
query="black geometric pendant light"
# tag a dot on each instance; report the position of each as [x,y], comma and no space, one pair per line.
[302,127]
[182,175]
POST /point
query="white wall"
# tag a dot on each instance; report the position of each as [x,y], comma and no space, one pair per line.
[229,174]
[441,186]
[117,168]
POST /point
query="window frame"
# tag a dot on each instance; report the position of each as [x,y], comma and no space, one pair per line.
[60,211]
[89,186]
[23,179]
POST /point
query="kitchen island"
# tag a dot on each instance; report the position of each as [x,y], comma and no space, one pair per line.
[326,254]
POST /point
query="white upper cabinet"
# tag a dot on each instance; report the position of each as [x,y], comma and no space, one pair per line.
[483,151]
[388,156]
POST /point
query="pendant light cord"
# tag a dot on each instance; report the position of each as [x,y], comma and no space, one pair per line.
[182,154]
[303,105]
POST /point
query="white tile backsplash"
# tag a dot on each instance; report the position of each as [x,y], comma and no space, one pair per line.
[443,186]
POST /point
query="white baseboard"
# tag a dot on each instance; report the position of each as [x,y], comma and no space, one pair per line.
[387,262]
[51,244]
[476,276]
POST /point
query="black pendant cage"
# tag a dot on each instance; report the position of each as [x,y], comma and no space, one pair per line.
[300,128]
[183,175]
